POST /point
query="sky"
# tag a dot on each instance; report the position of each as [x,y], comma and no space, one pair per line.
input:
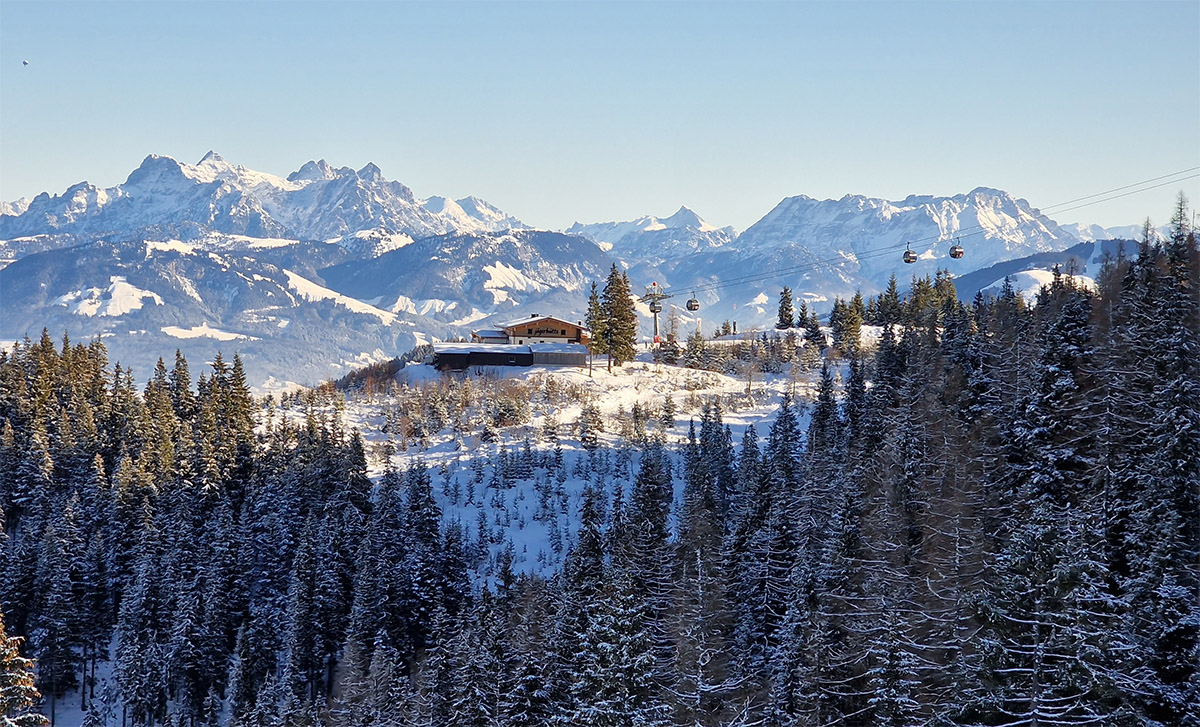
[564,112]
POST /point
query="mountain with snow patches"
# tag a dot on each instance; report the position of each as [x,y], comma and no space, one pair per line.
[463,278]
[992,225]
[217,256]
[144,300]
[329,267]
[291,320]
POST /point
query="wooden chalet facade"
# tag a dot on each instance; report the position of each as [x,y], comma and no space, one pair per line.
[535,329]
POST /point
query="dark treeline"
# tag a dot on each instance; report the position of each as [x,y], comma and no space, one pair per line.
[996,522]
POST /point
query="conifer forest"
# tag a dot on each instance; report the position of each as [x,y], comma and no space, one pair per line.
[990,517]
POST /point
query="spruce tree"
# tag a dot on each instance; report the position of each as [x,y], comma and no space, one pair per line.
[812,332]
[597,323]
[620,319]
[786,318]
[18,695]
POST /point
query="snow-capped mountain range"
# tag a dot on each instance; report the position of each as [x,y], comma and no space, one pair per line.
[316,202]
[330,267]
[991,222]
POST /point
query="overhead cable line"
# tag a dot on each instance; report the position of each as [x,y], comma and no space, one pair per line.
[1127,186]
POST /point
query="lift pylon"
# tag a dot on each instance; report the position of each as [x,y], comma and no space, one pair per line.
[653,298]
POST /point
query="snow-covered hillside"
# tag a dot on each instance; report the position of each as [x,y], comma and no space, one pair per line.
[516,514]
[465,278]
[143,299]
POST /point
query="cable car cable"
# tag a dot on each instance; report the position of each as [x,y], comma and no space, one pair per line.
[1118,189]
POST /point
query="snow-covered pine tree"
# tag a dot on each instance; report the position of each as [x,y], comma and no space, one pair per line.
[140,668]
[1048,626]
[18,695]
[700,619]
[526,620]
[812,331]
[60,589]
[597,323]
[589,426]
[620,318]
[786,318]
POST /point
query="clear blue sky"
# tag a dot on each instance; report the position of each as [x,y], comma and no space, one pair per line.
[570,111]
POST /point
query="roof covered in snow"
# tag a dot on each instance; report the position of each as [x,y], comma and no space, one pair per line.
[479,347]
[558,348]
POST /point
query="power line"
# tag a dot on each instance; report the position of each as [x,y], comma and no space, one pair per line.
[973,231]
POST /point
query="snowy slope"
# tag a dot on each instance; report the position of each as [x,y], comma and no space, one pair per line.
[540,542]
[462,279]
[1030,282]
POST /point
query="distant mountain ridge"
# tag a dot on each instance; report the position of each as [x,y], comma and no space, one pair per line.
[993,223]
[308,273]
[647,237]
[823,249]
